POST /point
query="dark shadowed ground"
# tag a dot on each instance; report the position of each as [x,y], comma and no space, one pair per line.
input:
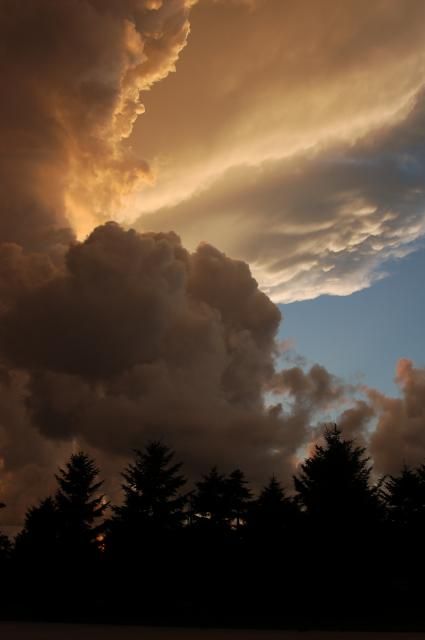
[21,631]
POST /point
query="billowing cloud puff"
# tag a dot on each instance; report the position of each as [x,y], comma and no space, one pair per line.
[307,161]
[72,72]
[399,437]
[137,338]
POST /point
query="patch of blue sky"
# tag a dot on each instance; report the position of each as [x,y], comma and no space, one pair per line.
[361,337]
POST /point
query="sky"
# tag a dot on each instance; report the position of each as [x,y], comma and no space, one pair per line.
[211,232]
[362,336]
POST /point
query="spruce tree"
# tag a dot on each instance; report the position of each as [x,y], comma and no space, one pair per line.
[237,497]
[210,504]
[405,498]
[38,540]
[341,540]
[272,512]
[153,502]
[334,486]
[79,505]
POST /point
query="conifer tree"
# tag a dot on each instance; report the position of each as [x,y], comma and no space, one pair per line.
[5,544]
[210,499]
[153,502]
[334,486]
[272,512]
[38,540]
[405,498]
[237,497]
[79,505]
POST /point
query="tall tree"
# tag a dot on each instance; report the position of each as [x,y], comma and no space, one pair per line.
[153,501]
[79,505]
[237,497]
[334,486]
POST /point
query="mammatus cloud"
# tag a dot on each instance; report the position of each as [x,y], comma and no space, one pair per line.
[307,161]
[72,72]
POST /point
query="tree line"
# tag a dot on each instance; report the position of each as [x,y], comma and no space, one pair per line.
[339,549]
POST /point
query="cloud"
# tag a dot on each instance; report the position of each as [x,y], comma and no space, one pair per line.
[307,161]
[399,437]
[72,73]
[303,159]
[137,338]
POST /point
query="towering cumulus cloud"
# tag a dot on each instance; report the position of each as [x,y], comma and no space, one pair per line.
[72,72]
[136,338]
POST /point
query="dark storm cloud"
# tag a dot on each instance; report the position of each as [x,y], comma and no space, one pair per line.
[138,338]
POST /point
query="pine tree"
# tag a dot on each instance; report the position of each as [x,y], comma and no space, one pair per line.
[273,512]
[237,497]
[334,487]
[209,501]
[38,540]
[152,499]
[79,505]
[405,498]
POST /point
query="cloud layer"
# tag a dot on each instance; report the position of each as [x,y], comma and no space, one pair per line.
[307,159]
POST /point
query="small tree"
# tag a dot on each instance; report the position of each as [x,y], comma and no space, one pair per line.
[273,512]
[405,498]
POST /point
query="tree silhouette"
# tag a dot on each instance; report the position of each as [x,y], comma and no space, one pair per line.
[405,498]
[38,540]
[79,506]
[144,533]
[152,499]
[334,485]
[5,544]
[237,497]
[342,514]
[273,513]
[209,501]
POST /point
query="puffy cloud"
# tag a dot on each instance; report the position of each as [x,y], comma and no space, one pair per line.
[399,437]
[307,161]
[72,72]
[137,338]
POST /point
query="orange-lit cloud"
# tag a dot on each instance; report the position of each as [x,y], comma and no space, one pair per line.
[72,74]
[269,99]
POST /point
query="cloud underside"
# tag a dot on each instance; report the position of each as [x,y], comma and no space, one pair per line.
[305,157]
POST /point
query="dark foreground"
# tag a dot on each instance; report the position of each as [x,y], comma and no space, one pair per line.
[22,631]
